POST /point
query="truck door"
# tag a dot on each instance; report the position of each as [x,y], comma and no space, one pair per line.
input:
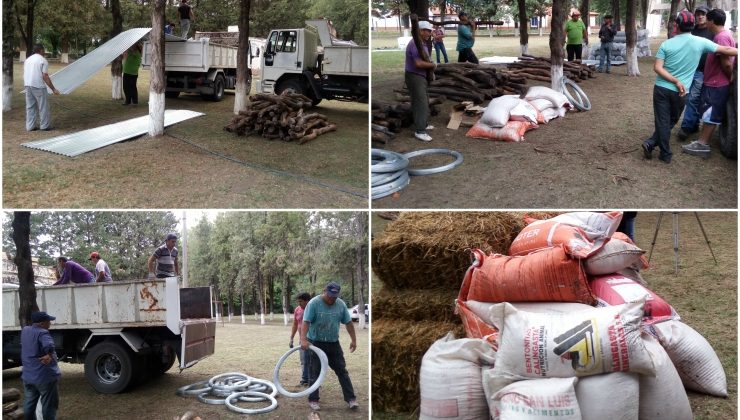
[281,55]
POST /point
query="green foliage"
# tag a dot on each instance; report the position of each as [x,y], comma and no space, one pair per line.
[349,17]
[277,14]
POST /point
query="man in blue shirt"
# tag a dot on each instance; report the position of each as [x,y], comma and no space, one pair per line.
[321,320]
[72,272]
[40,373]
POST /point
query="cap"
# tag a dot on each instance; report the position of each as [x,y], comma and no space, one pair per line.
[461,14]
[685,20]
[171,236]
[332,289]
[93,255]
[576,13]
[41,317]
[425,25]
[702,9]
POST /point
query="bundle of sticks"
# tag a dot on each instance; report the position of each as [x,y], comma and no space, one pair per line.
[538,68]
[389,117]
[280,117]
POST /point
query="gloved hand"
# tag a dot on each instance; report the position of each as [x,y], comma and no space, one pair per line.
[291,343]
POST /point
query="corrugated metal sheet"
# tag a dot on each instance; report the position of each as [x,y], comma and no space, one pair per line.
[71,77]
[75,144]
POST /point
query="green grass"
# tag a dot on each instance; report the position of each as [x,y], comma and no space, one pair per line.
[248,348]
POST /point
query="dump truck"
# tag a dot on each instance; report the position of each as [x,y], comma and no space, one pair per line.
[202,66]
[124,332]
[314,63]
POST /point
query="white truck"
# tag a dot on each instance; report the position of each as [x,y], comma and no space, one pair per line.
[199,66]
[124,332]
[294,60]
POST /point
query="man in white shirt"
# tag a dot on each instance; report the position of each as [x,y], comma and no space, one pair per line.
[102,271]
[35,79]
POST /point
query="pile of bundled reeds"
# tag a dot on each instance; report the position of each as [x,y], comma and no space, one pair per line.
[282,117]
[538,68]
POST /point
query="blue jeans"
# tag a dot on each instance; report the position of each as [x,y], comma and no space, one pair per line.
[336,363]
[691,115]
[49,395]
[667,107]
[440,46]
[304,365]
[605,52]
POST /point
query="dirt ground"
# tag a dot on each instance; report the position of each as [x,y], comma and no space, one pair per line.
[584,160]
[248,348]
[703,293]
[195,164]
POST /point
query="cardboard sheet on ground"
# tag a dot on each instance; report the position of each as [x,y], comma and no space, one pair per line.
[75,144]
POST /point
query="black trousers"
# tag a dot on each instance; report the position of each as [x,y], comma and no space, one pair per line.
[574,49]
[467,55]
[129,88]
[667,108]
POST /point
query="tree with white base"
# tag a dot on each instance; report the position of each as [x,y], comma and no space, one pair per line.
[557,40]
[158,82]
[631,57]
[243,72]
[116,67]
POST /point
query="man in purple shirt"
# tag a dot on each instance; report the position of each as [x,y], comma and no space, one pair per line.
[40,373]
[416,80]
[72,272]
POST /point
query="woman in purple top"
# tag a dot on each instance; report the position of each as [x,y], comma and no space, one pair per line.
[416,81]
[72,272]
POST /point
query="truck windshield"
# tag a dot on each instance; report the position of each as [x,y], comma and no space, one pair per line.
[286,41]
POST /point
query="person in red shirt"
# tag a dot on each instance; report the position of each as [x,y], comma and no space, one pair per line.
[438,37]
[302,299]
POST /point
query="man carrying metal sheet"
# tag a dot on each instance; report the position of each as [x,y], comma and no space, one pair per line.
[35,79]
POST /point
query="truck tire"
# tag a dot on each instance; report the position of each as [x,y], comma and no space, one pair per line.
[218,89]
[109,367]
[291,86]
[171,95]
[159,367]
[728,128]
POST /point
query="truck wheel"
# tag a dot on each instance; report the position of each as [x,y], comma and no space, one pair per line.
[109,367]
[728,129]
[290,86]
[172,95]
[157,366]
[218,89]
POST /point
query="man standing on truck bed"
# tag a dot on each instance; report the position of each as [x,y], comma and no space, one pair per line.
[186,17]
[102,271]
[72,272]
[165,258]
[40,373]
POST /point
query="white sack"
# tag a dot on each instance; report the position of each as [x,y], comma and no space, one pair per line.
[556,98]
[497,111]
[612,396]
[662,397]
[615,255]
[537,399]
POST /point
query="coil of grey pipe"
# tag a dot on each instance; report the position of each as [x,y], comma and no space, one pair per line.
[241,395]
[428,171]
[322,374]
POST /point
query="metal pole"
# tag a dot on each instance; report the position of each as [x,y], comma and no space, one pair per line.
[655,236]
[705,236]
[675,239]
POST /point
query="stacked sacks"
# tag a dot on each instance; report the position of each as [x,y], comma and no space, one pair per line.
[619,47]
[420,259]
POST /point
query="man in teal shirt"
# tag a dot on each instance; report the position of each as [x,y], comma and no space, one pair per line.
[321,320]
[465,39]
[575,31]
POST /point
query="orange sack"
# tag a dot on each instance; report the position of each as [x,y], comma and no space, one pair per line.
[549,233]
[548,275]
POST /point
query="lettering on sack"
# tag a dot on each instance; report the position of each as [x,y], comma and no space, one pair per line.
[526,235]
[618,346]
[535,351]
[578,344]
[522,405]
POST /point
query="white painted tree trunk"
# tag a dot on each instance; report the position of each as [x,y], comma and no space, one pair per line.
[244,319]
[240,98]
[22,56]
[362,321]
[262,319]
[256,316]
[156,114]
[229,317]
[272,316]
[541,33]
[525,49]
[285,318]
[65,58]
[632,68]
[557,77]
[7,92]
[116,87]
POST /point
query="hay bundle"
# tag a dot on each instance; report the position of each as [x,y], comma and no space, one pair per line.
[397,349]
[436,305]
[427,250]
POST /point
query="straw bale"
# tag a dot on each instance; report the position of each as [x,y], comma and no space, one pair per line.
[415,305]
[397,349]
[428,250]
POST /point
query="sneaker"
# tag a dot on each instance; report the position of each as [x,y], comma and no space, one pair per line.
[314,405]
[353,404]
[600,70]
[47,129]
[423,136]
[697,148]
[682,135]
[647,150]
[430,127]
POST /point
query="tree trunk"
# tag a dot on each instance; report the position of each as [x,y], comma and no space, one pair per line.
[631,32]
[557,40]
[243,72]
[271,291]
[285,298]
[27,291]
[8,16]
[28,34]
[616,14]
[361,266]
[644,4]
[587,22]
[230,303]
[65,50]
[158,82]
[523,27]
[671,25]
[263,296]
[419,7]
[241,296]
[116,67]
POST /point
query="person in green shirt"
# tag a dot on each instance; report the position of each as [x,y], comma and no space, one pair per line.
[465,39]
[131,63]
[575,31]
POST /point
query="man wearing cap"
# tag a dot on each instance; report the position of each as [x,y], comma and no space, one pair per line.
[72,272]
[690,122]
[417,64]
[102,271]
[465,40]
[40,372]
[165,258]
[321,320]
[675,64]
[575,31]
[606,36]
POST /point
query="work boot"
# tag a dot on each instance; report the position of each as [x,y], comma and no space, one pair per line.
[697,148]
